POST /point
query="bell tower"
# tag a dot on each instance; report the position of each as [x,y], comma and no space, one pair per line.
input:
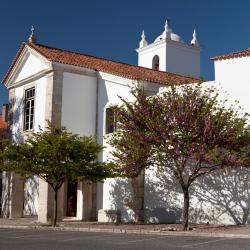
[169,53]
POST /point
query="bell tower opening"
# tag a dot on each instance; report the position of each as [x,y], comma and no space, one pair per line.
[156,62]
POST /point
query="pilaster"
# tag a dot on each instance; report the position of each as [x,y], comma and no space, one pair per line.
[86,201]
[17,196]
[138,184]
[53,114]
[46,198]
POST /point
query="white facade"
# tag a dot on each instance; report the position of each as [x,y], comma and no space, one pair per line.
[234,78]
[79,103]
[77,98]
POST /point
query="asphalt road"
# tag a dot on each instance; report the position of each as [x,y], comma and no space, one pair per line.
[11,239]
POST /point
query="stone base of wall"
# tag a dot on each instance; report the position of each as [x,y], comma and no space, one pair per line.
[112,216]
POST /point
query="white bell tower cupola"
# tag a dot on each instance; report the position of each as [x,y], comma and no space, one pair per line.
[169,53]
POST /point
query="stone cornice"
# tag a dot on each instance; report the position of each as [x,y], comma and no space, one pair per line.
[168,42]
[73,69]
[30,78]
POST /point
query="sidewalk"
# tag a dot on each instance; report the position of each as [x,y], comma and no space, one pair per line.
[233,231]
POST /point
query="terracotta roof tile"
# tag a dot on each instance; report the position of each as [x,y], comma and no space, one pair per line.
[242,53]
[104,65]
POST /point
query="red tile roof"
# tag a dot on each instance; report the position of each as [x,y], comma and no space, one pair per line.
[242,53]
[3,124]
[103,65]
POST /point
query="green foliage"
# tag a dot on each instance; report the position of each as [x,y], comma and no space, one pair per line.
[56,155]
[3,144]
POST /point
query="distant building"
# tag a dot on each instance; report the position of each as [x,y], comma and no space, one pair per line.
[4,121]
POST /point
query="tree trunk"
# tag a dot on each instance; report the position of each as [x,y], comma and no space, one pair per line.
[185,211]
[138,184]
[55,208]
[245,215]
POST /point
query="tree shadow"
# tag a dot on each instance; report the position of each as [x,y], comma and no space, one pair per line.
[227,192]
[121,196]
[15,134]
[162,197]
[16,120]
[5,199]
[220,197]
[31,196]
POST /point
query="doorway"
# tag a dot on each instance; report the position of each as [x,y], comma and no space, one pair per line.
[71,199]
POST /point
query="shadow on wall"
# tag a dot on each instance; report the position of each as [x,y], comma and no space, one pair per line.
[228,192]
[221,197]
[31,184]
[6,180]
[16,119]
[15,133]
[31,196]
[121,195]
[162,198]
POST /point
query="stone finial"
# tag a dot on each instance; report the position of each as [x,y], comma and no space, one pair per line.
[143,41]
[32,38]
[167,30]
[143,37]
[195,41]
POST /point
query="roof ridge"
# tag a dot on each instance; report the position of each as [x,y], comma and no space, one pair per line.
[102,58]
[117,68]
[233,54]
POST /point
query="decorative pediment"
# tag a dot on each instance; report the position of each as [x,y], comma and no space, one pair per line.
[29,64]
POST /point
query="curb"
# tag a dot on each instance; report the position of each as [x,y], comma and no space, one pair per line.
[129,231]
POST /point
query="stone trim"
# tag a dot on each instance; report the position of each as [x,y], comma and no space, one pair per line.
[65,68]
[53,108]
[31,79]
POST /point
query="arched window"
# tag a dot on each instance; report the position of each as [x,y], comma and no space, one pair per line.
[155,62]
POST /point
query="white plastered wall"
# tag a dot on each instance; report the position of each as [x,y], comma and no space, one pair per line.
[79,117]
[183,59]
[146,55]
[109,88]
[18,110]
[79,104]
[113,192]
[31,185]
[233,76]
[175,57]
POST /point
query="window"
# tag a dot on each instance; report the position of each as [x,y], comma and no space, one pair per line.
[29,109]
[155,62]
[111,120]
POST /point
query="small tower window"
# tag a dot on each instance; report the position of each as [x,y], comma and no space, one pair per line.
[155,62]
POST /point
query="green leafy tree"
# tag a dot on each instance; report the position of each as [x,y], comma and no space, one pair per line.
[185,130]
[56,155]
[3,144]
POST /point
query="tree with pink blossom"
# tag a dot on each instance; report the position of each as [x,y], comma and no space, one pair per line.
[186,129]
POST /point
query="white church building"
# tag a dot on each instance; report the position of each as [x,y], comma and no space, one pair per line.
[78,91]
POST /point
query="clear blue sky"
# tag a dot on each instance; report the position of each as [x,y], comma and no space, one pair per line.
[112,28]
